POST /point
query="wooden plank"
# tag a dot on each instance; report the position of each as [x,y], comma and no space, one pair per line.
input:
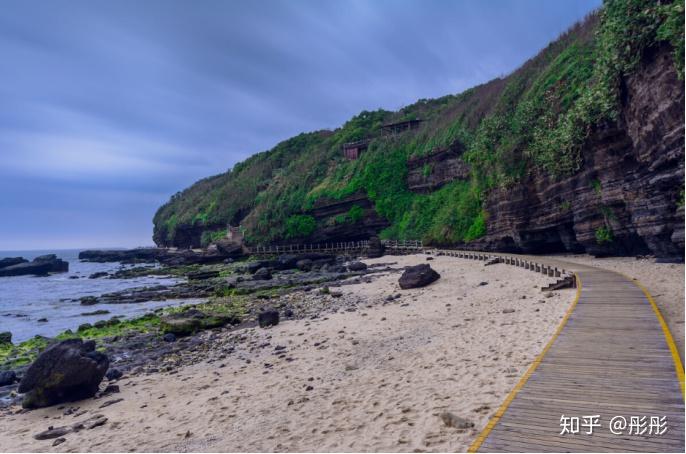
[611,359]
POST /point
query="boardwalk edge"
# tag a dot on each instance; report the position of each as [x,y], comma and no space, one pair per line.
[476,444]
[678,365]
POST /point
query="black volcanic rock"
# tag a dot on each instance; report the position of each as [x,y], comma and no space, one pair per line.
[7,377]
[9,261]
[418,276]
[40,266]
[269,317]
[68,371]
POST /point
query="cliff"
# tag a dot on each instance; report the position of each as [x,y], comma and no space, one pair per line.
[628,186]
[580,149]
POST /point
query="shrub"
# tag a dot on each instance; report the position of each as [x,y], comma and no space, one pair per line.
[604,235]
[300,226]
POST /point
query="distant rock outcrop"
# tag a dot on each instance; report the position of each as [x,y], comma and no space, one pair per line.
[40,266]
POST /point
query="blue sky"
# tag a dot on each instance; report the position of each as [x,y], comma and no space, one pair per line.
[109,107]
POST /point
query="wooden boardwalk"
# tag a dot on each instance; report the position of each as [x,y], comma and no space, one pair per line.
[611,356]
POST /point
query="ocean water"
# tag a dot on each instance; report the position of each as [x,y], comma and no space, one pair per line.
[26,299]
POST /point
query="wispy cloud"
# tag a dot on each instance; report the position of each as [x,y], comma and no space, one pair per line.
[109,107]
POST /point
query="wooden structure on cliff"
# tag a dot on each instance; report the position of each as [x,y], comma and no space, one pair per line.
[353,150]
[401,126]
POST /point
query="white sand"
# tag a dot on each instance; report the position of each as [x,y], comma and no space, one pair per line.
[664,281]
[381,376]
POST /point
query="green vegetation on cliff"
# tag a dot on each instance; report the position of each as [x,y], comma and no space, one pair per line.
[534,120]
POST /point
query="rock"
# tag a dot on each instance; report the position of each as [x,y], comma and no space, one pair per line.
[169,337]
[192,320]
[111,402]
[263,274]
[304,264]
[202,275]
[98,312]
[9,261]
[5,337]
[428,259]
[90,423]
[42,320]
[444,165]
[357,266]
[40,266]
[98,275]
[418,276]
[110,389]
[375,248]
[269,317]
[508,311]
[68,371]
[254,266]
[286,262]
[88,300]
[482,283]
[139,255]
[452,420]
[114,374]
[100,324]
[84,327]
[52,433]
[7,377]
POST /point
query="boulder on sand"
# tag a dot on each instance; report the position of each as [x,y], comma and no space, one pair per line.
[268,317]
[418,276]
[357,266]
[263,274]
[68,371]
[192,320]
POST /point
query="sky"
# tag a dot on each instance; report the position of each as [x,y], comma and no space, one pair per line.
[107,108]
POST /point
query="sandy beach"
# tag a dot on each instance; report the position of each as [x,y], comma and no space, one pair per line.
[374,379]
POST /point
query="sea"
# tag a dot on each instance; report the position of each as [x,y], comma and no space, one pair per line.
[26,299]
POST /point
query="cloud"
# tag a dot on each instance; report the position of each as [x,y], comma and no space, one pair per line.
[147,97]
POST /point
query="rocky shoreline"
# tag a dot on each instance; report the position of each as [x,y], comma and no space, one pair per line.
[231,296]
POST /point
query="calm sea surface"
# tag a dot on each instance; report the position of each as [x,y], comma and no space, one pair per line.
[25,299]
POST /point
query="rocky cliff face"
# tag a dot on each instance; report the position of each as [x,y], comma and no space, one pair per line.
[334,225]
[627,198]
[430,172]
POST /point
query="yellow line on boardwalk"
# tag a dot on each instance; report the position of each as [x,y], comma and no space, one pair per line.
[476,444]
[678,365]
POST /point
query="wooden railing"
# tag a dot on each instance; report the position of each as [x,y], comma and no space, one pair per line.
[403,244]
[344,246]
